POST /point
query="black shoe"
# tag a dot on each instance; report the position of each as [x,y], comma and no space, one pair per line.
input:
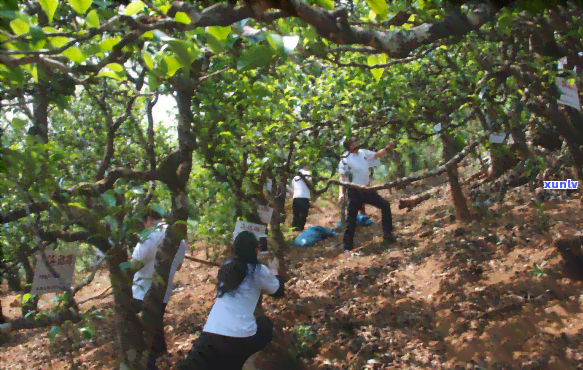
[390,239]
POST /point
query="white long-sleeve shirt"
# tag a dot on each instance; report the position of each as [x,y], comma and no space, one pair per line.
[301,189]
[358,165]
[232,314]
[146,252]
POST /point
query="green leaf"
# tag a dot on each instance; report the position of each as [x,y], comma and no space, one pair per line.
[134,7]
[87,332]
[26,297]
[37,34]
[221,33]
[108,44]
[255,58]
[182,18]
[92,19]
[116,67]
[58,41]
[17,123]
[215,45]
[378,6]
[19,27]
[377,73]
[173,65]
[109,199]
[148,61]
[57,157]
[382,58]
[80,6]
[114,75]
[158,208]
[53,332]
[186,52]
[372,60]
[75,54]
[49,7]
[126,265]
[326,4]
[77,205]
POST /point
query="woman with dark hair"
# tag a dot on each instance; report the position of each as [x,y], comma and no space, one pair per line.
[232,334]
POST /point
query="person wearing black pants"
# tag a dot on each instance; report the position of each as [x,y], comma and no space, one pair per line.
[232,334]
[301,202]
[356,163]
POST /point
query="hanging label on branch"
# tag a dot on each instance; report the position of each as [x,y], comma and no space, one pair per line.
[510,139]
[497,138]
[258,230]
[267,185]
[44,281]
[437,127]
[265,213]
[569,94]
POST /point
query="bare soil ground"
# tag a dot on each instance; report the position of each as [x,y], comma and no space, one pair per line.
[447,296]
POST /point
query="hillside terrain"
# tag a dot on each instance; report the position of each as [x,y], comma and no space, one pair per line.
[494,294]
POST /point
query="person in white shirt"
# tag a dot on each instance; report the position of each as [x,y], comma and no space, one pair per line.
[356,164]
[145,255]
[232,334]
[301,199]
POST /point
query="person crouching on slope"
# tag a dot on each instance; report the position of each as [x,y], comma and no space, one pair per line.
[232,334]
[356,163]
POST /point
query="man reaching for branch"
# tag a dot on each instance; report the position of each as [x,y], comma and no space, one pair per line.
[356,163]
[144,258]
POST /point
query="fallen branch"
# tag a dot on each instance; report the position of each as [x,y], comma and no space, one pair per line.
[40,321]
[90,277]
[416,200]
[100,295]
[202,261]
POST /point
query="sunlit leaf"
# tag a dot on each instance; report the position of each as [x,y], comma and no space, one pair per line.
[19,26]
[148,61]
[134,7]
[326,4]
[75,54]
[221,33]
[378,6]
[92,19]
[49,7]
[182,18]
[116,67]
[80,6]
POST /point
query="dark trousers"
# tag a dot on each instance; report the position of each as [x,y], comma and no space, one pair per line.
[213,352]
[356,198]
[159,345]
[301,207]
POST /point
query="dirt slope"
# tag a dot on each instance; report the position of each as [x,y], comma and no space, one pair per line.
[448,296]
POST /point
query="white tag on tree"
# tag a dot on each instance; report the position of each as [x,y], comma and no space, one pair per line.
[497,138]
[258,230]
[569,94]
[267,185]
[265,213]
[510,139]
[437,127]
[44,281]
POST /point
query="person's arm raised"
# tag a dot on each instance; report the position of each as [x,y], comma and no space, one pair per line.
[385,151]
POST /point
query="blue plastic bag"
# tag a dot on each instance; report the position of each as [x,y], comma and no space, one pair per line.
[361,220]
[314,234]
